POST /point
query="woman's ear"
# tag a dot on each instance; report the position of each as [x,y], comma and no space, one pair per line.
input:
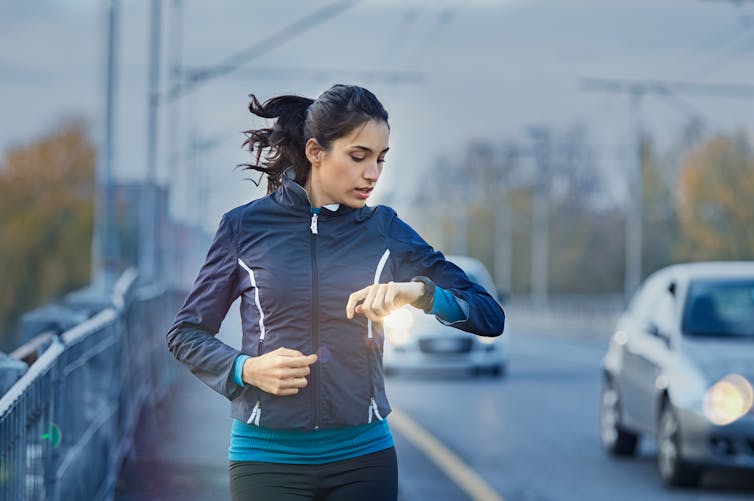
[313,152]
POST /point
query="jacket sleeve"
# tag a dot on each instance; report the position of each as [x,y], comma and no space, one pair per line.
[191,338]
[414,256]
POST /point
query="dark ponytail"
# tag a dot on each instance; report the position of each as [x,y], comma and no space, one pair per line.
[334,114]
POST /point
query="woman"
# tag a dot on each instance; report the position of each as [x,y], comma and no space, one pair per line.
[317,271]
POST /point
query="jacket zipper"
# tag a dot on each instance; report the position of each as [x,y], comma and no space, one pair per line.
[256,413]
[315,319]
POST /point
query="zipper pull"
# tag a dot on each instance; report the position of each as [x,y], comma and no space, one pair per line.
[374,410]
[256,413]
[313,226]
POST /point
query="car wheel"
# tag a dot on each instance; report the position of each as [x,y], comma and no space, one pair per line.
[673,469]
[615,439]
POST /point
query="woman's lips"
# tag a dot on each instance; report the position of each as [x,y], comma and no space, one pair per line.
[363,192]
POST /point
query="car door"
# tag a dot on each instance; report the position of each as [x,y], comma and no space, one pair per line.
[631,378]
[651,354]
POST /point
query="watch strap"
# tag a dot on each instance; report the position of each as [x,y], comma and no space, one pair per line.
[426,301]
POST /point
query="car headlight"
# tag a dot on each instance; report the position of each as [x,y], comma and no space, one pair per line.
[398,326]
[728,399]
[486,339]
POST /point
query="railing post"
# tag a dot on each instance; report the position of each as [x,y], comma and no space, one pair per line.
[56,395]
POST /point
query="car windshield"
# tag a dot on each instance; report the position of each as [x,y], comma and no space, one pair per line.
[720,308]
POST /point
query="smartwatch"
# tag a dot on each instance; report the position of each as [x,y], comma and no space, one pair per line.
[426,301]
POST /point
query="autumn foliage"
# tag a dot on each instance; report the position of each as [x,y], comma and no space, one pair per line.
[716,201]
[46,221]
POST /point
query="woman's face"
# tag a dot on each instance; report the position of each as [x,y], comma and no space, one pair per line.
[348,171]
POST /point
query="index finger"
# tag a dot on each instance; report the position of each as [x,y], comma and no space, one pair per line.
[288,352]
[302,361]
[353,300]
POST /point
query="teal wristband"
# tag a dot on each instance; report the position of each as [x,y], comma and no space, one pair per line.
[238,369]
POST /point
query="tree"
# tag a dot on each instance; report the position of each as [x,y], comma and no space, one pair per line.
[586,236]
[716,202]
[46,221]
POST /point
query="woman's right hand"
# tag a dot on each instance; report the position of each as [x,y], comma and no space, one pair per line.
[280,372]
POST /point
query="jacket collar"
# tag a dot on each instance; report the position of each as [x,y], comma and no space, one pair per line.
[294,196]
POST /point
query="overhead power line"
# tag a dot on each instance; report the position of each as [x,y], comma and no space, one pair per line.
[393,77]
[664,87]
[232,63]
[737,3]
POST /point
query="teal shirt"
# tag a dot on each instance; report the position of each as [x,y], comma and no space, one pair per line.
[253,443]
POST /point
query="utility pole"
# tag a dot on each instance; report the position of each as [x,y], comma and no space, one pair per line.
[172,133]
[503,252]
[635,180]
[635,219]
[105,254]
[540,226]
[460,221]
[149,216]
[504,240]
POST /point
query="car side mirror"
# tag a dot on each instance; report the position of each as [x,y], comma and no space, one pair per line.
[655,331]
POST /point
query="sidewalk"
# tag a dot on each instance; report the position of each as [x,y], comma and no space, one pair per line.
[181,448]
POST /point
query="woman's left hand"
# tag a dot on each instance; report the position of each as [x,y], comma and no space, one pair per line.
[379,300]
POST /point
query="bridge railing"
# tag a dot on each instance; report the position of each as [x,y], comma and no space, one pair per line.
[571,314]
[68,423]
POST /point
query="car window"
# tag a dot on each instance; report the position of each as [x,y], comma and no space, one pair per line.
[719,308]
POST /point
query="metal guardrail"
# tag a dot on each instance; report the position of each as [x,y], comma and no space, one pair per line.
[68,423]
[30,352]
[589,315]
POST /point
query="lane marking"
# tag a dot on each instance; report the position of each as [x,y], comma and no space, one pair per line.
[466,478]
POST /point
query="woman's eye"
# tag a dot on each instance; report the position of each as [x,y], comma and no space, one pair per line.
[357,159]
[380,160]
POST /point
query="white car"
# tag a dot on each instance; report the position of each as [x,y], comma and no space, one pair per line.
[417,342]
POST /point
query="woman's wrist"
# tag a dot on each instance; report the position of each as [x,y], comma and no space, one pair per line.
[426,300]
[248,371]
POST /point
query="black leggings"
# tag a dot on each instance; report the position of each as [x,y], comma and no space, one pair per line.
[372,477]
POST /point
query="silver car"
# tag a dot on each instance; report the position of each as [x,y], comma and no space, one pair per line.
[680,367]
[416,342]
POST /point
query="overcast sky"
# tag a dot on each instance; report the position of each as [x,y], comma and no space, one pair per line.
[490,69]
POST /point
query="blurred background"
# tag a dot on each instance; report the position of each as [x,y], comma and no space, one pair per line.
[573,147]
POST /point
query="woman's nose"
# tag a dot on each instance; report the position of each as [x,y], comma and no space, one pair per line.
[372,171]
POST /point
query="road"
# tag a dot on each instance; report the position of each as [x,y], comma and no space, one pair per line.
[531,436]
